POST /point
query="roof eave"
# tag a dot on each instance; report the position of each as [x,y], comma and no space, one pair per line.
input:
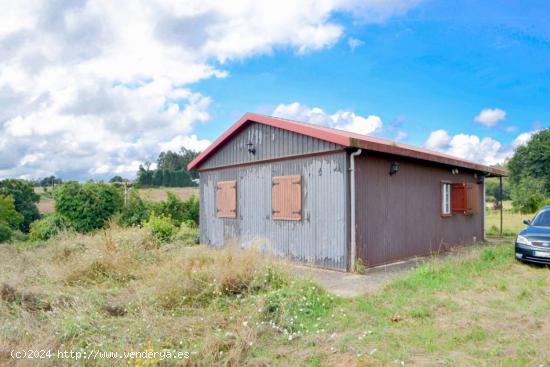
[343,140]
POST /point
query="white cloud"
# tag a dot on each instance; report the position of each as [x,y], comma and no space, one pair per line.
[94,87]
[188,142]
[471,147]
[353,43]
[490,116]
[401,135]
[343,120]
[523,138]
[438,140]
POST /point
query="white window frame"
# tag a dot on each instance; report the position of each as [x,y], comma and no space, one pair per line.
[446,198]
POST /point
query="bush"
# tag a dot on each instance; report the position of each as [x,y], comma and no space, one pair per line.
[6,232]
[25,200]
[135,212]
[188,235]
[87,207]
[160,227]
[528,195]
[178,210]
[45,228]
[8,214]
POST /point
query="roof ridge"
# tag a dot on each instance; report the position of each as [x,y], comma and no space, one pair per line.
[346,139]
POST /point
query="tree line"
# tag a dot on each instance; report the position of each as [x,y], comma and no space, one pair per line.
[171,170]
[528,183]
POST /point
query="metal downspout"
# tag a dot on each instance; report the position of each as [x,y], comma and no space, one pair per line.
[353,254]
[501,204]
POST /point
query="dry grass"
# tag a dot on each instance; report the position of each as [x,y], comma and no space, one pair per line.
[46,205]
[119,291]
[159,194]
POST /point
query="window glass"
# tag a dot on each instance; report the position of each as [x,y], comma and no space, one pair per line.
[446,198]
[542,219]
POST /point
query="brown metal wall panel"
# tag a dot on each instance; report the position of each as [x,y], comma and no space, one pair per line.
[399,216]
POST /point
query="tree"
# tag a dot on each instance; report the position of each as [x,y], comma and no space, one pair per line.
[8,214]
[532,160]
[25,200]
[492,188]
[117,179]
[176,161]
[528,195]
[87,207]
[50,181]
[171,170]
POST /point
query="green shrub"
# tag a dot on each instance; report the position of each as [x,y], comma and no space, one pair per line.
[25,200]
[135,212]
[528,195]
[192,206]
[178,210]
[45,228]
[6,232]
[188,235]
[8,214]
[87,207]
[298,307]
[161,227]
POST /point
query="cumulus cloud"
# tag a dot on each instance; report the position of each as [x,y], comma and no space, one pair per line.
[343,120]
[490,116]
[92,88]
[471,147]
[523,138]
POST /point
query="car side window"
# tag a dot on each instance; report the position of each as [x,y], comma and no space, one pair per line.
[542,219]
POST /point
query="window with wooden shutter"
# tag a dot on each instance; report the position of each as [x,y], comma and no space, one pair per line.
[458,198]
[286,198]
[226,199]
[465,198]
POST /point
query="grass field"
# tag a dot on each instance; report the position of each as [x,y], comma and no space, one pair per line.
[512,222]
[119,291]
[159,193]
[46,204]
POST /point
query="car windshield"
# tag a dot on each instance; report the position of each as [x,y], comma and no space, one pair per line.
[542,219]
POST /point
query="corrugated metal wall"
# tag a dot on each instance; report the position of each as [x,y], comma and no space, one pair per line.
[320,238]
[399,216]
[269,142]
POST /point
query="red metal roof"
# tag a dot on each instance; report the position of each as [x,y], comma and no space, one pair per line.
[344,138]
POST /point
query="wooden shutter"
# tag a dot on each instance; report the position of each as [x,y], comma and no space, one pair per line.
[472,199]
[459,198]
[286,198]
[226,199]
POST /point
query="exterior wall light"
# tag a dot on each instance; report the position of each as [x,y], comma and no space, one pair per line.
[394,167]
[251,148]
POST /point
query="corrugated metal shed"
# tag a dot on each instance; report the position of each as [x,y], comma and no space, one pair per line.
[397,215]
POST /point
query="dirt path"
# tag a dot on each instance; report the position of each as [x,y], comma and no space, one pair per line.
[351,284]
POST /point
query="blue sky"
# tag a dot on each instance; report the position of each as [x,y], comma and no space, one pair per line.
[434,68]
[90,89]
